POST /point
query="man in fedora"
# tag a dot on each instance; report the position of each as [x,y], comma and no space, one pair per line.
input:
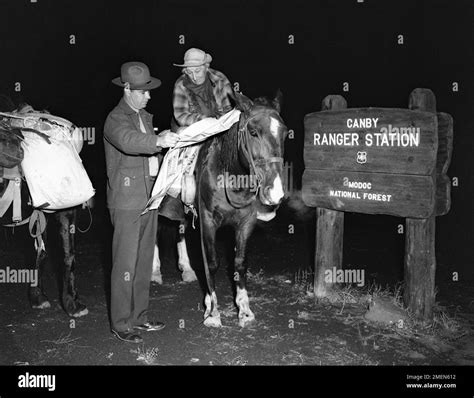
[130,148]
[198,93]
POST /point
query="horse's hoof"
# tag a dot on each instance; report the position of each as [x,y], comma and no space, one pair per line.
[213,322]
[76,309]
[157,278]
[189,276]
[246,319]
[80,313]
[41,306]
[38,299]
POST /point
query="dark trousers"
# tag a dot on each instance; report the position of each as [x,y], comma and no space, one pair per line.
[132,258]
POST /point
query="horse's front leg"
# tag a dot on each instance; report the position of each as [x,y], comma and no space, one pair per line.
[212,317]
[67,228]
[243,231]
[187,273]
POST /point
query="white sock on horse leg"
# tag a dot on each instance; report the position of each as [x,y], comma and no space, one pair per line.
[156,272]
[188,275]
[242,301]
[183,258]
[156,260]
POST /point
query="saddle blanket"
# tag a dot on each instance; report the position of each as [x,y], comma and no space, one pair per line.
[181,159]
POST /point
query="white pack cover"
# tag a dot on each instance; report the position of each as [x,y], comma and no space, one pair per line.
[54,172]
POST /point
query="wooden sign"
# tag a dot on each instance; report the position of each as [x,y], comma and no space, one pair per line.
[370,193]
[377,140]
[380,161]
[373,161]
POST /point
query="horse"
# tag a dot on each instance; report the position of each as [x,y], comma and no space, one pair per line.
[11,154]
[251,152]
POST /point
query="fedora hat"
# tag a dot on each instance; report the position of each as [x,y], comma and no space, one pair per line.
[195,57]
[138,75]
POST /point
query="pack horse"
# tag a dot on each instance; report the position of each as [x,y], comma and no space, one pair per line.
[251,151]
[16,209]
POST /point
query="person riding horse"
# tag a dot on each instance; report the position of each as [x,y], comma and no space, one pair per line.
[200,92]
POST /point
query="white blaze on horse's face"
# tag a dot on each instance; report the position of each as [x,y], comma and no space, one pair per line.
[275,193]
[274,127]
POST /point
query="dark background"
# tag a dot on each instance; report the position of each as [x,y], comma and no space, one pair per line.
[335,42]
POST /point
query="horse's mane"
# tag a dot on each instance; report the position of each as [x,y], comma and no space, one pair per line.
[229,147]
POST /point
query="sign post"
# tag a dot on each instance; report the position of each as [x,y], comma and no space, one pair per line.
[329,227]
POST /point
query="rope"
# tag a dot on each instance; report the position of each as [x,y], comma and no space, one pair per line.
[37,219]
[37,225]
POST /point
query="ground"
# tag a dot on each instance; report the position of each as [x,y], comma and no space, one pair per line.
[291,327]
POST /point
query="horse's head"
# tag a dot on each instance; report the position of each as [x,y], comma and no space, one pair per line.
[262,134]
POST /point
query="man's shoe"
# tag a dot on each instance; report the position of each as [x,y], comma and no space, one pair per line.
[150,326]
[129,336]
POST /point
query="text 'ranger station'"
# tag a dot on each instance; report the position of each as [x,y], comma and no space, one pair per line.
[389,136]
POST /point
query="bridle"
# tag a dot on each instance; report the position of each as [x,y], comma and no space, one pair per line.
[257,167]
